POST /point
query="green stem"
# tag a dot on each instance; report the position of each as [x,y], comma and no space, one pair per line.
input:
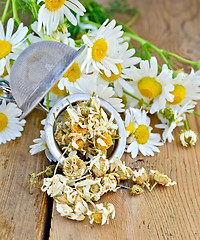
[138,99]
[147,53]
[160,53]
[35,10]
[15,15]
[193,63]
[133,19]
[91,23]
[47,99]
[186,125]
[195,113]
[3,18]
[122,186]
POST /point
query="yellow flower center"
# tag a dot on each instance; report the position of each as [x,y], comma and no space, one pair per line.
[99,49]
[130,128]
[73,73]
[3,122]
[108,141]
[113,76]
[5,72]
[54,5]
[179,94]
[55,90]
[142,134]
[149,87]
[5,48]
[1,92]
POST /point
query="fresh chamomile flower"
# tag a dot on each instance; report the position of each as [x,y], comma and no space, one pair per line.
[52,12]
[188,138]
[141,139]
[168,124]
[152,88]
[10,44]
[119,80]
[55,95]
[101,49]
[10,126]
[101,90]
[61,34]
[40,144]
[186,88]
[73,74]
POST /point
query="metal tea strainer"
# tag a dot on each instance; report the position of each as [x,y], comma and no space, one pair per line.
[37,70]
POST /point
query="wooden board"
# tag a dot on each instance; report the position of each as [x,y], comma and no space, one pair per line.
[171,213]
[168,213]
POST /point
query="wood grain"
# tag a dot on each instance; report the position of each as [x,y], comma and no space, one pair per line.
[168,213]
[22,215]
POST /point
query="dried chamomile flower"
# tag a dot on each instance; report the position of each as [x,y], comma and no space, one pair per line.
[99,165]
[136,190]
[55,185]
[77,128]
[74,167]
[120,169]
[90,188]
[104,141]
[161,178]
[109,183]
[62,134]
[71,205]
[102,213]
[140,176]
[188,138]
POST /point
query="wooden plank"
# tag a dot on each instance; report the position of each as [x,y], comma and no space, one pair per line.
[22,215]
[168,213]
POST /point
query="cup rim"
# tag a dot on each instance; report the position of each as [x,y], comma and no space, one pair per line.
[64,103]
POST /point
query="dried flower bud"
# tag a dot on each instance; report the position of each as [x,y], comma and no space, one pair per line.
[162,179]
[140,176]
[74,167]
[104,142]
[136,190]
[102,213]
[109,183]
[121,170]
[188,138]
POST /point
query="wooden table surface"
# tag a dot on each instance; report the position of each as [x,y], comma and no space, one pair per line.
[168,213]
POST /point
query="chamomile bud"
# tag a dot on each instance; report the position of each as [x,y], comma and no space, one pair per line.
[188,138]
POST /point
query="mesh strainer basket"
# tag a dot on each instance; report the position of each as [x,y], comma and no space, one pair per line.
[37,70]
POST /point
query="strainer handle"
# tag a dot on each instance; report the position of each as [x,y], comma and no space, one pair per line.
[42,108]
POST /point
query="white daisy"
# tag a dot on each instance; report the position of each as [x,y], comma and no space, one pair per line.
[10,44]
[150,86]
[119,80]
[141,138]
[60,35]
[101,90]
[102,46]
[168,125]
[10,126]
[40,144]
[73,74]
[188,138]
[186,88]
[52,12]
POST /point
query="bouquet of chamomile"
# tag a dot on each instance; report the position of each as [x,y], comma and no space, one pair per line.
[130,79]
